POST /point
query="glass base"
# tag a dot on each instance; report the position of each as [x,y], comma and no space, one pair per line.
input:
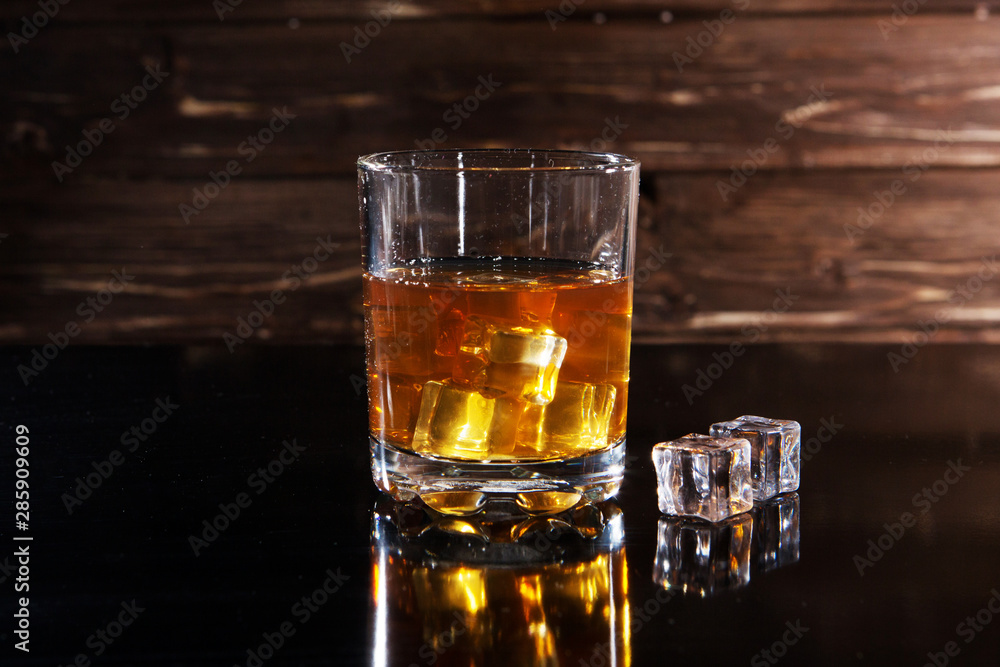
[464,487]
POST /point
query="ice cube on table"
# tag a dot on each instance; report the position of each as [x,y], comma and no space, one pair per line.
[703,558]
[453,422]
[703,476]
[511,362]
[577,419]
[774,451]
[776,532]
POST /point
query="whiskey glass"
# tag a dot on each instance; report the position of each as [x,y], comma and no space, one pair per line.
[498,311]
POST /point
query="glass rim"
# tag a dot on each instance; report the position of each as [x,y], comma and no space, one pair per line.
[588,161]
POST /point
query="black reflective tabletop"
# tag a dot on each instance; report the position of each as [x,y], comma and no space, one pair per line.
[188,506]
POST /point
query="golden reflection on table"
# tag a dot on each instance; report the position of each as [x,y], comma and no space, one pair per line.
[499,588]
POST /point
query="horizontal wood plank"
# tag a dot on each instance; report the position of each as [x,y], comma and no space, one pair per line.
[234,11]
[780,233]
[822,92]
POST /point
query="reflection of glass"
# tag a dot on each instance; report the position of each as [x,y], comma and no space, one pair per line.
[776,532]
[703,558]
[498,310]
[498,589]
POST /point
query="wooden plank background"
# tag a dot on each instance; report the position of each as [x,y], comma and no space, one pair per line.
[851,103]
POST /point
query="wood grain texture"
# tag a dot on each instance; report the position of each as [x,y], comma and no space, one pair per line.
[925,95]
[281,10]
[780,232]
[888,99]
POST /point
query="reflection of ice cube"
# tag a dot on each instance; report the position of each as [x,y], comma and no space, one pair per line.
[578,417]
[776,532]
[511,362]
[774,452]
[703,558]
[453,422]
[698,475]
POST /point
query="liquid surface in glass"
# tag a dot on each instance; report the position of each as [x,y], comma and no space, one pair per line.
[498,359]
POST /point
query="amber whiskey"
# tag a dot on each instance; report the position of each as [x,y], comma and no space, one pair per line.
[498,359]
